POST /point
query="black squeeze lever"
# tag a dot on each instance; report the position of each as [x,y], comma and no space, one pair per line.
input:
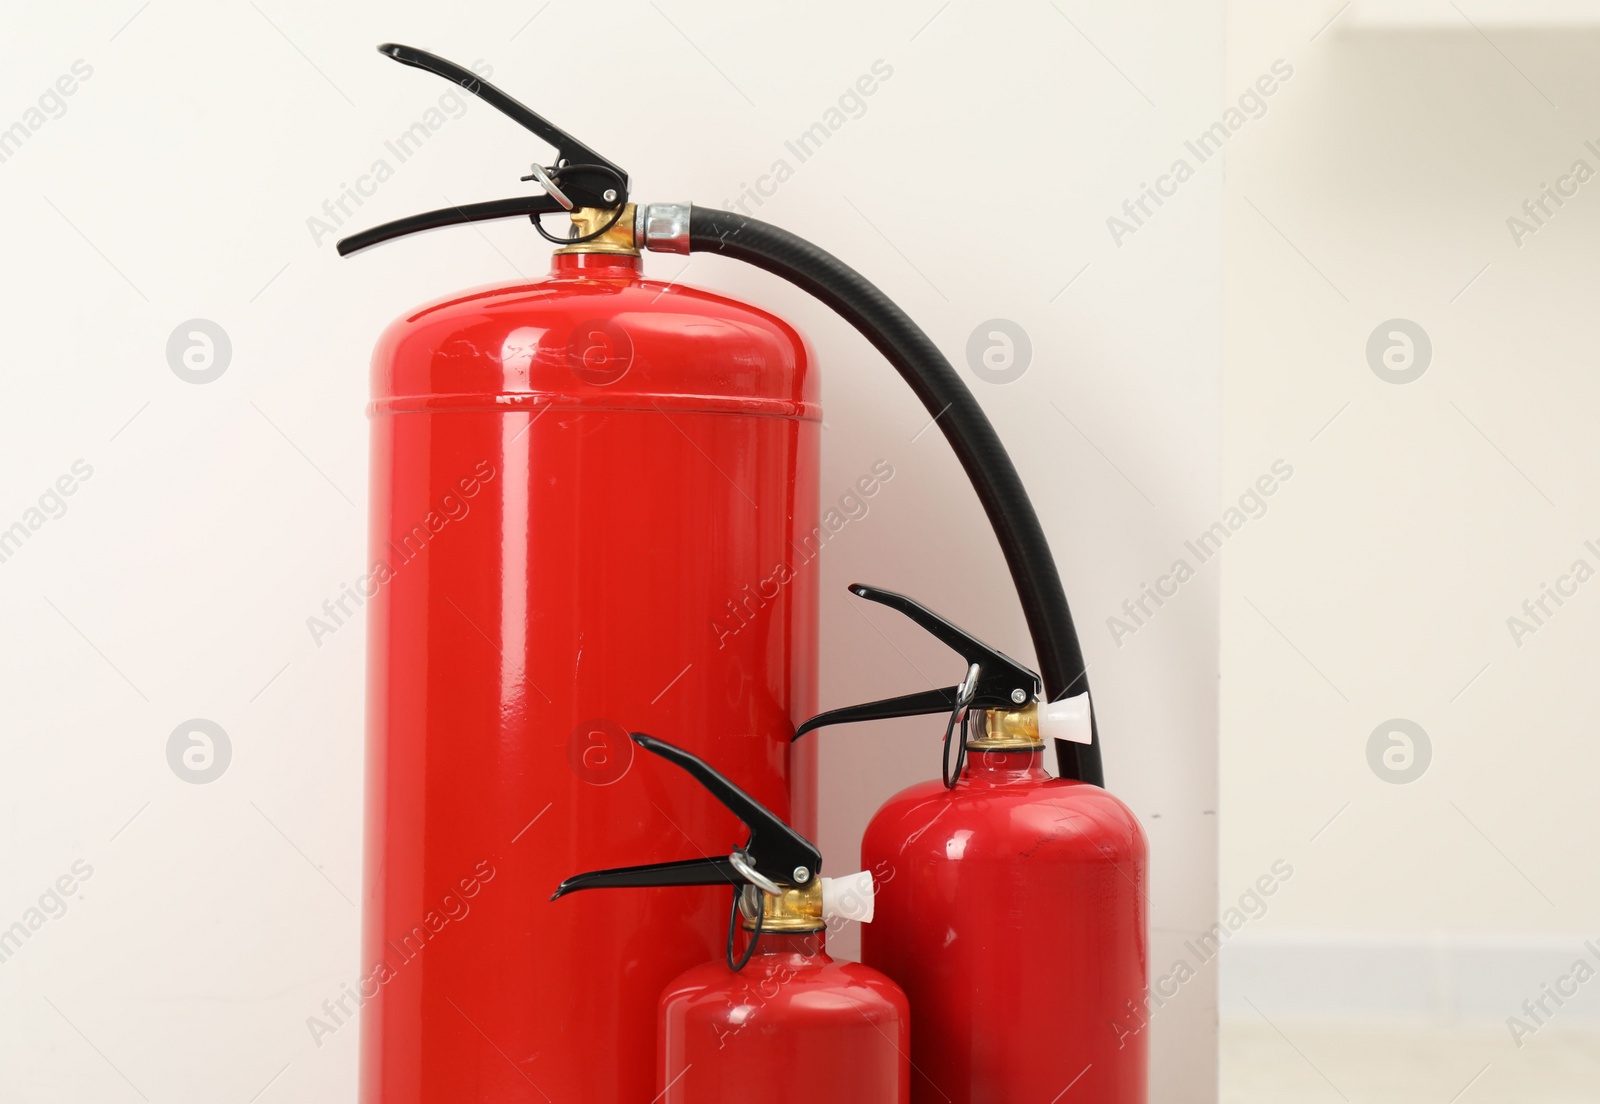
[775,856]
[579,177]
[994,681]
[1001,682]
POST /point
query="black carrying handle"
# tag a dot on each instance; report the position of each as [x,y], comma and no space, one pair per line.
[585,178]
[1002,682]
[921,703]
[448,216]
[686,872]
[776,853]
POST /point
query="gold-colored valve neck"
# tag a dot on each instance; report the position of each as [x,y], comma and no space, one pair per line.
[618,239]
[1007,730]
[796,909]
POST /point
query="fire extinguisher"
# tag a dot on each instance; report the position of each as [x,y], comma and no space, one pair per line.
[780,1022]
[581,487]
[572,477]
[980,869]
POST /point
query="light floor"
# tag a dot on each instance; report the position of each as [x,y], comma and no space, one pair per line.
[1301,1062]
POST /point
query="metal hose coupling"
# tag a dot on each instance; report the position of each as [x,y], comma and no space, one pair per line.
[662,227]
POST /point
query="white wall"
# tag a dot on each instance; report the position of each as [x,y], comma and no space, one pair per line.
[1420,517]
[177,185]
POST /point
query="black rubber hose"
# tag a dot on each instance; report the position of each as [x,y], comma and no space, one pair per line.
[964,424]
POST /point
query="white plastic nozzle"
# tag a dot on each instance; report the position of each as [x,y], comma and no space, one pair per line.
[848,898]
[1067,719]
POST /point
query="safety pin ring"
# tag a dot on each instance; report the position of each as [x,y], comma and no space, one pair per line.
[741,862]
[549,186]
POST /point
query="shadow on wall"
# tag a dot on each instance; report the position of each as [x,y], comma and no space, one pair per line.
[1451,173]
[1396,122]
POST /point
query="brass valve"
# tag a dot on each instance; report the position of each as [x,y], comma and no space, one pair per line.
[796,909]
[1008,730]
[619,239]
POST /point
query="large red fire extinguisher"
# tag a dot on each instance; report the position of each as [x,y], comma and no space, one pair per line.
[781,1022]
[581,489]
[571,479]
[980,868]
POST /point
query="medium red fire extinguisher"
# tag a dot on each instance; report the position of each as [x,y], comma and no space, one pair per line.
[576,483]
[1011,906]
[781,1022]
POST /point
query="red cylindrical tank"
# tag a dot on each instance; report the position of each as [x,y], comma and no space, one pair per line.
[1011,910]
[792,1027]
[592,497]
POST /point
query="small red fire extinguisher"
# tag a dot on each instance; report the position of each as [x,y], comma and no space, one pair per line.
[1011,906]
[743,1029]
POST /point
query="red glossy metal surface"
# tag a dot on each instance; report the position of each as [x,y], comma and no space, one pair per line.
[792,1027]
[581,489]
[1011,910]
